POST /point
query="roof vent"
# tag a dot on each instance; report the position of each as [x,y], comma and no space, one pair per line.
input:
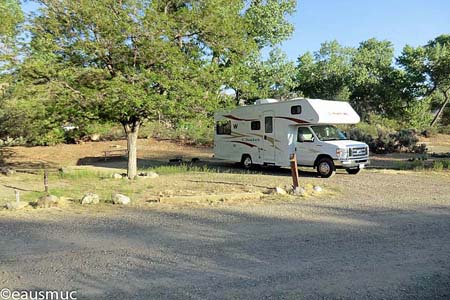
[265,101]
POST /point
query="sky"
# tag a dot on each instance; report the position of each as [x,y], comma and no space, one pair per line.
[402,22]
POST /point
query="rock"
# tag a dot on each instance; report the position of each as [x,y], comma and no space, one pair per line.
[120,199]
[298,191]
[95,137]
[148,175]
[47,201]
[117,176]
[278,191]
[90,198]
[317,189]
[16,205]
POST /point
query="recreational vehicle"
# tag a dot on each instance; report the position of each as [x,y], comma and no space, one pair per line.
[268,132]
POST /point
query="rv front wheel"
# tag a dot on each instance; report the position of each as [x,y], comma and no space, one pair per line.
[325,167]
[246,161]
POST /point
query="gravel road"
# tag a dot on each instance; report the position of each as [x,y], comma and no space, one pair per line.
[386,236]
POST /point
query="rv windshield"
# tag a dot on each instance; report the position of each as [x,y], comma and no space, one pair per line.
[328,133]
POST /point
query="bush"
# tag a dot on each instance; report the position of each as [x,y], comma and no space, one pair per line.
[444,129]
[429,132]
[386,140]
[438,165]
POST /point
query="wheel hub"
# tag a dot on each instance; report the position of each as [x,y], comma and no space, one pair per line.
[324,168]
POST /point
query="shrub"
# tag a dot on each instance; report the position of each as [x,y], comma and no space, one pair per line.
[438,165]
[386,140]
[446,164]
[444,129]
[421,149]
[429,132]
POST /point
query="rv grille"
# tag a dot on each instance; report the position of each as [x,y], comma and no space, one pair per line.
[358,152]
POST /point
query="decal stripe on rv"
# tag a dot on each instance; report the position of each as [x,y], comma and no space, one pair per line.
[238,119]
[299,121]
[244,143]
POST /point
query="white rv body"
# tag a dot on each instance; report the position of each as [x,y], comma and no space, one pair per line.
[268,132]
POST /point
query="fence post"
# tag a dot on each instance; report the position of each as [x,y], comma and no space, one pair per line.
[46,181]
[294,170]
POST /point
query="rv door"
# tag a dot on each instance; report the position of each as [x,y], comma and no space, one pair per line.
[269,138]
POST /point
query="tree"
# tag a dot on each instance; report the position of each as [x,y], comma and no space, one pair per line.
[429,66]
[11,17]
[129,60]
[374,80]
[270,78]
[326,73]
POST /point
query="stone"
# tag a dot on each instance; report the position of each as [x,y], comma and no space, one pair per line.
[117,176]
[317,189]
[278,191]
[148,175]
[90,198]
[298,191]
[95,137]
[16,205]
[47,201]
[120,199]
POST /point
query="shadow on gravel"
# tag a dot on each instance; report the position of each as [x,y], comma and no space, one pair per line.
[299,251]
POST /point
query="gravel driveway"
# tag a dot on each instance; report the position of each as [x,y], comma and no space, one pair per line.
[386,236]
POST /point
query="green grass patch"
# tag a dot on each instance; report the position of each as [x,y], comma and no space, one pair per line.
[187,168]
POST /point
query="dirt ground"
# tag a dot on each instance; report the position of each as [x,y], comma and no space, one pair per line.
[382,234]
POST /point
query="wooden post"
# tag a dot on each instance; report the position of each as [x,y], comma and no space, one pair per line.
[46,181]
[294,170]
[17,196]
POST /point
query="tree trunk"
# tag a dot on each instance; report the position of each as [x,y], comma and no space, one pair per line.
[132,136]
[441,109]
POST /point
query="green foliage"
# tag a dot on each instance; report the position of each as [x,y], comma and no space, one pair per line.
[438,165]
[429,68]
[11,17]
[267,23]
[383,136]
[326,73]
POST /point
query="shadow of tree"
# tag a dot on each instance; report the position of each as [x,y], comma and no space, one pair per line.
[315,252]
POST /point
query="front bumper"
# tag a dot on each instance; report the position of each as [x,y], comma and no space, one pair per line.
[351,163]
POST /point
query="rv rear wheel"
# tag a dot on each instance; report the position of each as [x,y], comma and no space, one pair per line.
[325,167]
[246,161]
[353,171]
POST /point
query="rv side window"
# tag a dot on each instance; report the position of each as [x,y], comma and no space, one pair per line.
[223,127]
[268,124]
[255,125]
[296,109]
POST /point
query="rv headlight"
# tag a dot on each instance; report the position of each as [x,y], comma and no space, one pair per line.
[341,153]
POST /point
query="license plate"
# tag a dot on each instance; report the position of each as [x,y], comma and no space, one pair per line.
[361,166]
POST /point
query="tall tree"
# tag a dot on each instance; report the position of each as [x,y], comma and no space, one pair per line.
[374,80]
[429,66]
[126,61]
[11,17]
[270,78]
[326,73]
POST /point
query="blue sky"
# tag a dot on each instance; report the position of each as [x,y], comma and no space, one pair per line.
[402,22]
